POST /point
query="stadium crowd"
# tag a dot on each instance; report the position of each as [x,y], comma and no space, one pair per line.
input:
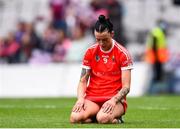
[69,32]
[69,26]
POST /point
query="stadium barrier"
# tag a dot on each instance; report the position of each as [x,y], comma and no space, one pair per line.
[57,80]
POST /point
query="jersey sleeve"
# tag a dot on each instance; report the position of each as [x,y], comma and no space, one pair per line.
[86,63]
[126,61]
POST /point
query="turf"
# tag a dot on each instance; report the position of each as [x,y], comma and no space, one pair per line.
[143,112]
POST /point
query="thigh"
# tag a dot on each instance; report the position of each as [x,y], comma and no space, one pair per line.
[91,109]
[118,110]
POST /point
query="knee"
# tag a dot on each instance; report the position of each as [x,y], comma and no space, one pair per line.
[76,118]
[103,119]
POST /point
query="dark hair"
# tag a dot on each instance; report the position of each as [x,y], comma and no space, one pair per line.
[103,24]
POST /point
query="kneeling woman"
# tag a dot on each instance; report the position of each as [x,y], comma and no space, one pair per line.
[105,79]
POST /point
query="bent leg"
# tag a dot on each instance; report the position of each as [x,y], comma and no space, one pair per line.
[110,117]
[84,116]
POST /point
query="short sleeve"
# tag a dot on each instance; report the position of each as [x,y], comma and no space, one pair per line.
[86,63]
[126,61]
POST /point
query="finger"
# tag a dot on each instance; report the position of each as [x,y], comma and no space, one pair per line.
[85,106]
[104,108]
[74,108]
[108,109]
[104,105]
[79,109]
[112,110]
[81,106]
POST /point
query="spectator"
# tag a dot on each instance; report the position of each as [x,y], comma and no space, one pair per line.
[58,9]
[21,28]
[76,17]
[2,47]
[115,13]
[49,38]
[98,8]
[2,51]
[34,39]
[157,53]
[61,47]
[10,49]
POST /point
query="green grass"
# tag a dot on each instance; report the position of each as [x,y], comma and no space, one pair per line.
[143,112]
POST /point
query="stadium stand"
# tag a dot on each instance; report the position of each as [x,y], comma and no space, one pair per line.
[139,17]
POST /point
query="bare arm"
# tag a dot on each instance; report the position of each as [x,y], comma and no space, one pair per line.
[126,81]
[83,83]
[81,90]
[109,105]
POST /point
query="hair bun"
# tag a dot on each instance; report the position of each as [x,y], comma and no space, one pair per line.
[102,19]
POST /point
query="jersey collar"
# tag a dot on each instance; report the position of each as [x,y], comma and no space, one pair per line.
[109,49]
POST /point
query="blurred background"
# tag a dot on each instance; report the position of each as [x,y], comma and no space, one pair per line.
[42,43]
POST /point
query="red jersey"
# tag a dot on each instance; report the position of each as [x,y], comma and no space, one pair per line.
[106,67]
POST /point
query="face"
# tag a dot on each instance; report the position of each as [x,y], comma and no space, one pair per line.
[104,39]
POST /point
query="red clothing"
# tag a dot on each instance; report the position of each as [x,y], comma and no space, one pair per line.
[10,49]
[106,67]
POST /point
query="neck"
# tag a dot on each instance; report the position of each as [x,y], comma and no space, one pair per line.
[107,48]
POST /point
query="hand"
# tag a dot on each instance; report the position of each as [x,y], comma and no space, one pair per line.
[79,105]
[108,106]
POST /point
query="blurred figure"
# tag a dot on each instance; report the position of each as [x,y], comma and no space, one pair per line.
[61,47]
[157,52]
[176,2]
[34,38]
[114,10]
[48,39]
[75,17]
[115,13]
[2,48]
[58,8]
[9,49]
[26,48]
[29,42]
[99,8]
[47,44]
[21,28]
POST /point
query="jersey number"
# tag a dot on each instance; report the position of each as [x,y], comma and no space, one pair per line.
[105,60]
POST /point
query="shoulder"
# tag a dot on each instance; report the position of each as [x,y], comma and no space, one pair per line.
[92,48]
[124,57]
[121,50]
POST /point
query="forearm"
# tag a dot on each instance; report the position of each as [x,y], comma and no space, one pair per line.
[121,94]
[126,80]
[81,90]
[83,83]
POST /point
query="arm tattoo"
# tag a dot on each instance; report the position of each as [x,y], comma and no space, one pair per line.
[122,93]
[84,75]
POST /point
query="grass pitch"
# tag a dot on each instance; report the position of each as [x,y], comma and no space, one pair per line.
[143,112]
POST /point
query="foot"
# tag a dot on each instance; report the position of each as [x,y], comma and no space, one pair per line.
[118,121]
